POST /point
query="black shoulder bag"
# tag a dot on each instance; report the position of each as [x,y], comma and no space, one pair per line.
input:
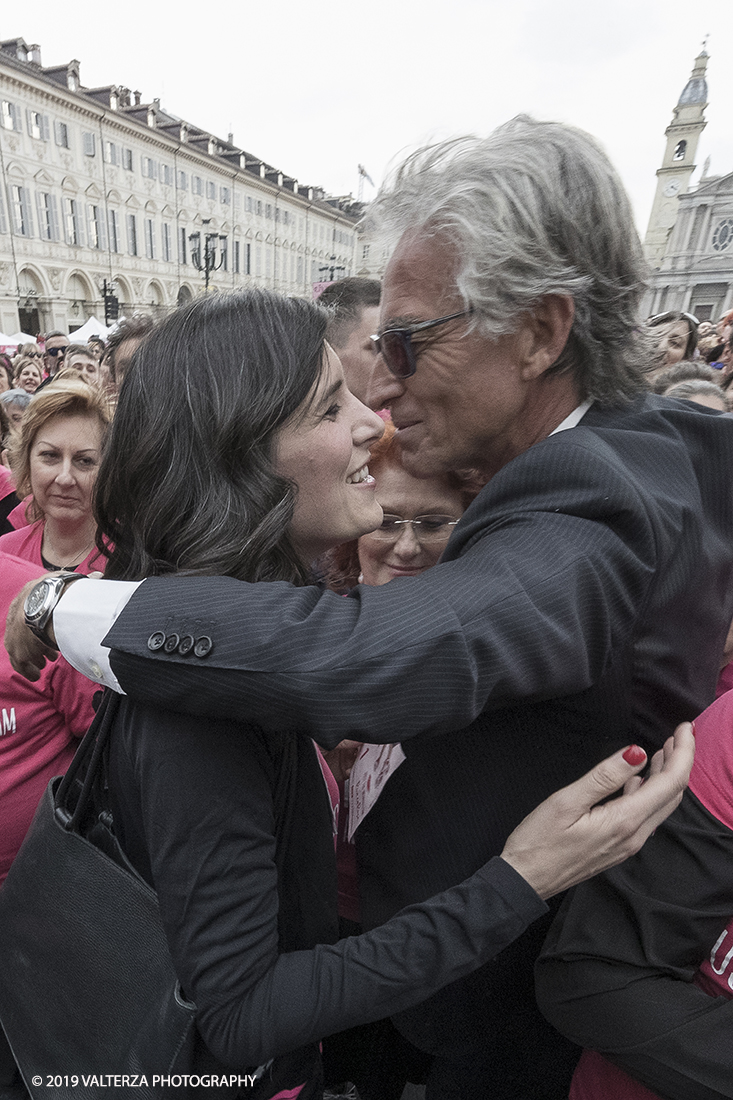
[87,984]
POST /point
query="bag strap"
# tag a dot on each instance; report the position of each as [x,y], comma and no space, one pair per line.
[89,755]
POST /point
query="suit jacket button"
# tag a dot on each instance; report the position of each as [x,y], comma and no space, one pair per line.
[171,643]
[203,646]
[156,641]
[185,645]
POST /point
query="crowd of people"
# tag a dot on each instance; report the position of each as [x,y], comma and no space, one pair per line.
[459,541]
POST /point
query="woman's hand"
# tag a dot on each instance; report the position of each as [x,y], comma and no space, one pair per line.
[570,838]
[27,653]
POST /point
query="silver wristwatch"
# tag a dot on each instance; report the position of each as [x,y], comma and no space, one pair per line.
[40,603]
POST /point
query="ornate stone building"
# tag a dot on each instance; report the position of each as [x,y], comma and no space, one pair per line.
[99,187]
[689,241]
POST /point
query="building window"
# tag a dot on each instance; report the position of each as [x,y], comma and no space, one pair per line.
[248,259]
[197,185]
[150,238]
[127,159]
[20,198]
[225,196]
[150,168]
[48,218]
[114,231]
[110,152]
[680,150]
[61,134]
[182,181]
[10,115]
[96,228]
[210,189]
[723,235]
[248,204]
[235,258]
[268,210]
[38,126]
[166,238]
[166,175]
[89,144]
[182,245]
[72,222]
[365,251]
[258,208]
[132,235]
[224,251]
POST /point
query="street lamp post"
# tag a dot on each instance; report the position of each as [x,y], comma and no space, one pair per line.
[330,269]
[205,260]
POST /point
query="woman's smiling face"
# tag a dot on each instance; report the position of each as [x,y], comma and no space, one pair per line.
[324,450]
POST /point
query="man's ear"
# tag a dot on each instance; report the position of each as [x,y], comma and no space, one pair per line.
[545,333]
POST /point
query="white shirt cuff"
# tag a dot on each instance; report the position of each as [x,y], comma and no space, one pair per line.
[84,615]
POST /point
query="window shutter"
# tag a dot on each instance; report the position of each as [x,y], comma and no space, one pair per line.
[25,205]
[131,235]
[66,206]
[15,114]
[29,120]
[54,218]
[3,222]
[45,128]
[101,229]
[88,140]
[40,212]
[79,220]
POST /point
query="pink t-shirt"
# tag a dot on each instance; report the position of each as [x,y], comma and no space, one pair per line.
[711,781]
[7,485]
[26,543]
[39,724]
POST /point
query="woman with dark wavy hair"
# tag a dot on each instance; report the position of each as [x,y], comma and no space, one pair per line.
[238,451]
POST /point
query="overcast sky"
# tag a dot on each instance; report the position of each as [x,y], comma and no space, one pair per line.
[316,89]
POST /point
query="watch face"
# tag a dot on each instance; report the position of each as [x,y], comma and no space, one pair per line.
[36,599]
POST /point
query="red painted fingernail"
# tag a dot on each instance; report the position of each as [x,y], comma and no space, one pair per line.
[634,755]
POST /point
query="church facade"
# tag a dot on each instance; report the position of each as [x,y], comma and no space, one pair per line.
[689,240]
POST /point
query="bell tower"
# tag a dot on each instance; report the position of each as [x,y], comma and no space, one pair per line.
[673,178]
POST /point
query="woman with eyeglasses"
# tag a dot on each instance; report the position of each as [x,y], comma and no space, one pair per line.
[237,451]
[419,517]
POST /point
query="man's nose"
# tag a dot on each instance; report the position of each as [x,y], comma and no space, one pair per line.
[383,388]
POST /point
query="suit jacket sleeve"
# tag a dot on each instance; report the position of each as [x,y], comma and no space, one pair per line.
[616,973]
[548,571]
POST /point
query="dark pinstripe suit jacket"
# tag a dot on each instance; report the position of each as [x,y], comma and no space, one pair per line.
[583,603]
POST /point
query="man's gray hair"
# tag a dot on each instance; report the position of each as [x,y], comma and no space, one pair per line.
[535,209]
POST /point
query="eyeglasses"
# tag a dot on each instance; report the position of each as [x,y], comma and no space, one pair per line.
[425,528]
[53,352]
[34,355]
[395,344]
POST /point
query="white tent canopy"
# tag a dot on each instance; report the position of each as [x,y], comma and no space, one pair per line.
[92,327]
[22,338]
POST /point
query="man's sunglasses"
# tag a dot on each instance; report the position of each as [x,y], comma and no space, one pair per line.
[53,352]
[395,344]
